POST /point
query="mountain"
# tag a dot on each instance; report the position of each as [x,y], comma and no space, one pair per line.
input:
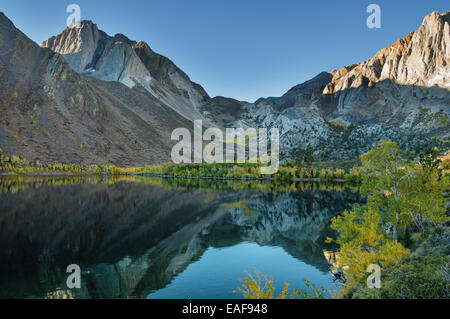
[89,50]
[87,97]
[415,66]
[401,94]
[419,59]
[50,113]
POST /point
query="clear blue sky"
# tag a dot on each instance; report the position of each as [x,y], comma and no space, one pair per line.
[243,49]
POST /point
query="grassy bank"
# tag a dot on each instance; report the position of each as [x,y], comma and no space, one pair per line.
[288,172]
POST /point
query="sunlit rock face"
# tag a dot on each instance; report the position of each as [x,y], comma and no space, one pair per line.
[399,81]
[420,59]
[79,45]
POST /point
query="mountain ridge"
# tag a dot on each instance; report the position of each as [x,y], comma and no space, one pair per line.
[401,94]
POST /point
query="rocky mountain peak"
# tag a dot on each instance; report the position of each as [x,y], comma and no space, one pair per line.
[91,51]
[434,19]
[78,45]
[86,24]
[142,45]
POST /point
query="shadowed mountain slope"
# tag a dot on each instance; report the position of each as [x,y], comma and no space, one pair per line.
[49,113]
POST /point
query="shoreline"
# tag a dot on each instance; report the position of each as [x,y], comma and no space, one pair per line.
[244,178]
[189,177]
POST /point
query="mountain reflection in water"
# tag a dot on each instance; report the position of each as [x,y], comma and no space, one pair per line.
[153,238]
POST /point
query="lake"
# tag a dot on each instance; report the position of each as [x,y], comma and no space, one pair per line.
[152,238]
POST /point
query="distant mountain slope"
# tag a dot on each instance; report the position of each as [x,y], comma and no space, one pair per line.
[300,95]
[49,113]
[91,51]
[222,110]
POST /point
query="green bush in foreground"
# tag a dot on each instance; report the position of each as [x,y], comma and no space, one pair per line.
[416,277]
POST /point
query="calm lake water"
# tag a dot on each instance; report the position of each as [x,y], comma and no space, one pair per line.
[153,238]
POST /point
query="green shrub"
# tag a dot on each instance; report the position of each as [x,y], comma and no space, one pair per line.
[416,277]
